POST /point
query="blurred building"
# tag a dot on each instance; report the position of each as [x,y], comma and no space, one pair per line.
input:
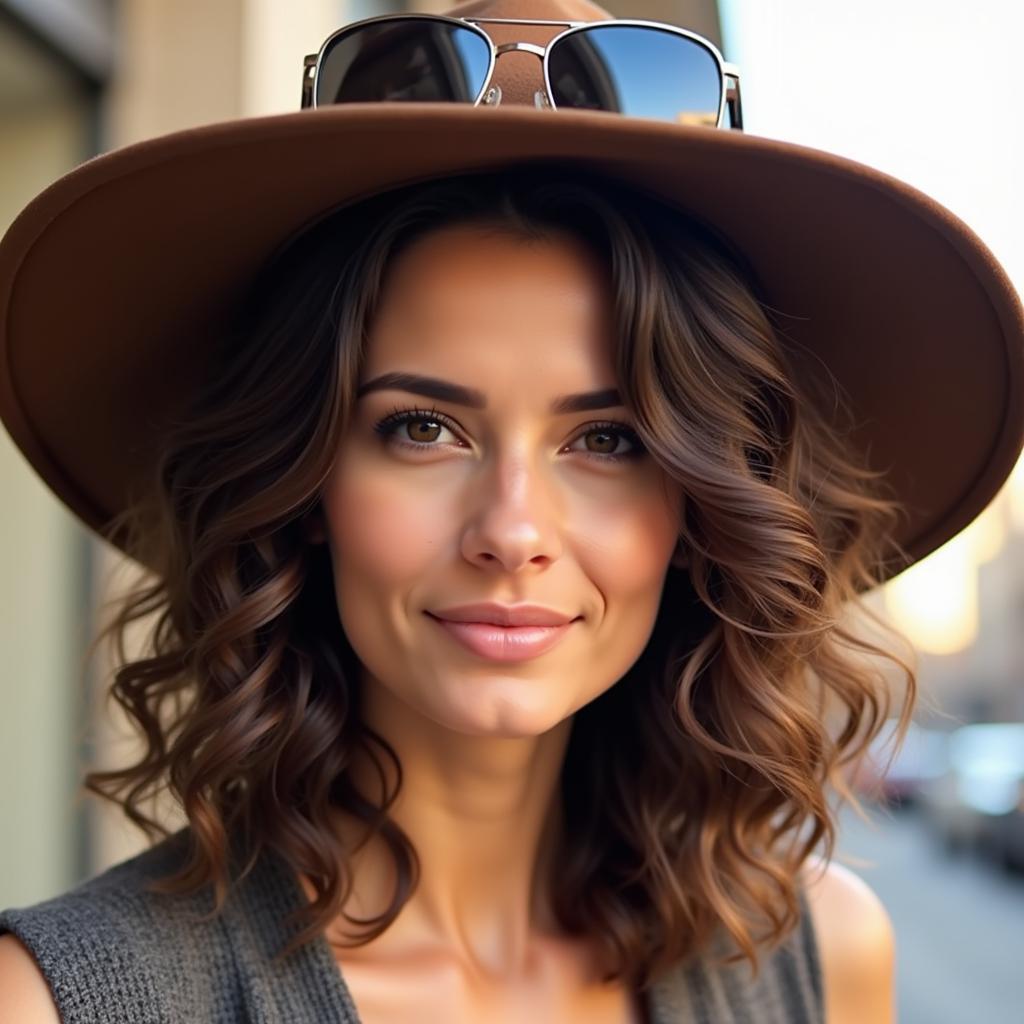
[56,64]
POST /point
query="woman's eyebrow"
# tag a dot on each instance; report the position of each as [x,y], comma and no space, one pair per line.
[457,394]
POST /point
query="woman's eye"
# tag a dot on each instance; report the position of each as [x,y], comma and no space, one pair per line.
[413,428]
[421,429]
[605,441]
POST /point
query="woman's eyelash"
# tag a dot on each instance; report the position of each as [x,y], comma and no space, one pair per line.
[397,417]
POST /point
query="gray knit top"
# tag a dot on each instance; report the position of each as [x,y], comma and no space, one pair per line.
[114,953]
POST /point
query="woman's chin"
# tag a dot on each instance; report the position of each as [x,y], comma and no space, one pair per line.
[502,708]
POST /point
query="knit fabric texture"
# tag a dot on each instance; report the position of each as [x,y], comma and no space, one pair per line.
[116,953]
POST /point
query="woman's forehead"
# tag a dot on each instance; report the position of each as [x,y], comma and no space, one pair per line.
[495,308]
[462,267]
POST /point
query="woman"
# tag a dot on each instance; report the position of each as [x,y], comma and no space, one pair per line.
[501,542]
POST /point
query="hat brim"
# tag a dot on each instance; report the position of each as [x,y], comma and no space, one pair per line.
[116,279]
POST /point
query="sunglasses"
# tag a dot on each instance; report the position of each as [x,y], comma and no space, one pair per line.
[636,68]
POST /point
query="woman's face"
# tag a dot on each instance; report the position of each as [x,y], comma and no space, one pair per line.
[492,493]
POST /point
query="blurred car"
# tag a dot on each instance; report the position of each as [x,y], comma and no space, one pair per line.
[922,758]
[971,803]
[1007,840]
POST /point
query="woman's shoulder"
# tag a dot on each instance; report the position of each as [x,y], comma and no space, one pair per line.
[25,995]
[108,940]
[855,942]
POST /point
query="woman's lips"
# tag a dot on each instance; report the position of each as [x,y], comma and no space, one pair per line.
[504,643]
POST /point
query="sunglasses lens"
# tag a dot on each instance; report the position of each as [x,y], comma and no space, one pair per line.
[415,59]
[638,71]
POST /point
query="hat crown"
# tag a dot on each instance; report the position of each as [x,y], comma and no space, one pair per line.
[538,10]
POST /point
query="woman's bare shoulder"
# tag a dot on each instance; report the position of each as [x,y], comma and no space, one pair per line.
[24,993]
[856,944]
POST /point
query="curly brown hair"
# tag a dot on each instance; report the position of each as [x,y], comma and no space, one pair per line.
[694,789]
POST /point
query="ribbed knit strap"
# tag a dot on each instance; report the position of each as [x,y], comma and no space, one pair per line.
[111,953]
[114,952]
[307,986]
[787,990]
[93,973]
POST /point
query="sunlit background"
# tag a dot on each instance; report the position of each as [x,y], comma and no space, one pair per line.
[927,90]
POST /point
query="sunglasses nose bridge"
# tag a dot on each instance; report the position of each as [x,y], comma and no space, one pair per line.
[518,82]
[537,51]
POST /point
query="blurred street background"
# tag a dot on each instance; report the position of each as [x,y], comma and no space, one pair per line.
[959,923]
[927,90]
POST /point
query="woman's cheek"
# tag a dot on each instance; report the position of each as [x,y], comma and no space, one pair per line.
[628,541]
[390,523]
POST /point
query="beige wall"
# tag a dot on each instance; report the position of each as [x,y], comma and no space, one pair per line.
[178,66]
[44,131]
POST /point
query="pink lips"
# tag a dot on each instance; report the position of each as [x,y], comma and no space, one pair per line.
[499,642]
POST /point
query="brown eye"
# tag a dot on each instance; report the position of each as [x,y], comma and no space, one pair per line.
[420,426]
[602,442]
[606,442]
[422,430]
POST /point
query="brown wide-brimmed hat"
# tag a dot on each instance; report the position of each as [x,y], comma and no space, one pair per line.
[117,279]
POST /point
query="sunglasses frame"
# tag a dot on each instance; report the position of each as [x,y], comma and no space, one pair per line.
[491,95]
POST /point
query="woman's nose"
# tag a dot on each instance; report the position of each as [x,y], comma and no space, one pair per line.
[513,519]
